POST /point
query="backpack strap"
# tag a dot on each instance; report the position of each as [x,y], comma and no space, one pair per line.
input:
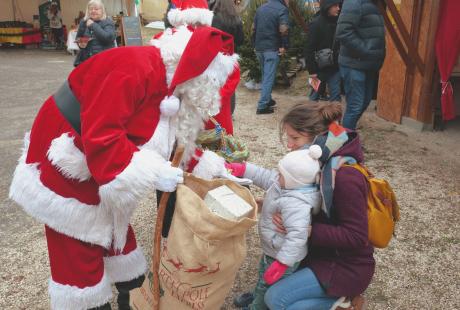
[361,168]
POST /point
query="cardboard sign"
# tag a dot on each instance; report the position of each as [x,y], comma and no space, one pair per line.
[131,30]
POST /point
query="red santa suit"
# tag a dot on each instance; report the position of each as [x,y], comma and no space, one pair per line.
[196,13]
[84,188]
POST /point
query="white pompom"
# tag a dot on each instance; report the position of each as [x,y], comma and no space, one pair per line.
[315,151]
[169,105]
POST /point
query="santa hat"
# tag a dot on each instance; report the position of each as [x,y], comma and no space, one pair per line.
[300,168]
[195,61]
[190,12]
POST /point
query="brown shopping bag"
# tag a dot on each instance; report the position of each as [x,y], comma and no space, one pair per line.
[203,251]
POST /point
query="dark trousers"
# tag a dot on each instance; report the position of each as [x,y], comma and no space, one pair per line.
[169,212]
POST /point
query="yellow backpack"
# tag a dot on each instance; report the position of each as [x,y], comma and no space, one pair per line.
[382,208]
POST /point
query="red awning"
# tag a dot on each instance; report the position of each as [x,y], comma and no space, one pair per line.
[447,51]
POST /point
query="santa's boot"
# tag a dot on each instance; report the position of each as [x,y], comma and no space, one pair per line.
[103,307]
[123,291]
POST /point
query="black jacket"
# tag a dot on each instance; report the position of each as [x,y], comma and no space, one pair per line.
[236,30]
[361,33]
[102,35]
[321,35]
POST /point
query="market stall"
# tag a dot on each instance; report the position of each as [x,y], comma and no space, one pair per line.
[19,33]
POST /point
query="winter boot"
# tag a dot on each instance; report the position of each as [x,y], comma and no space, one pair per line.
[123,291]
[356,303]
[103,307]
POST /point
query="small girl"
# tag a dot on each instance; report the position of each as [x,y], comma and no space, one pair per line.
[293,192]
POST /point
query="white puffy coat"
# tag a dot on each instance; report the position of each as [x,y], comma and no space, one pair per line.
[295,206]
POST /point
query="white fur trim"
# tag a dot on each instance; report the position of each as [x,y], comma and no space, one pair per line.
[69,216]
[74,298]
[122,194]
[221,67]
[163,138]
[171,45]
[210,165]
[68,159]
[122,268]
[192,16]
[169,105]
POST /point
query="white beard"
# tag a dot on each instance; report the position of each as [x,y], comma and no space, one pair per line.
[200,98]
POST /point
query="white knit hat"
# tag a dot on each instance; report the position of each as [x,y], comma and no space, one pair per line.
[300,168]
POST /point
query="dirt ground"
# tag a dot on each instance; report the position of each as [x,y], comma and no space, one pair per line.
[419,270]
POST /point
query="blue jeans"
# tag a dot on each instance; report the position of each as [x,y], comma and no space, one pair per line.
[359,88]
[262,286]
[333,83]
[268,64]
[299,291]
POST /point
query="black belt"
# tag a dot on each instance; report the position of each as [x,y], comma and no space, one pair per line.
[69,106]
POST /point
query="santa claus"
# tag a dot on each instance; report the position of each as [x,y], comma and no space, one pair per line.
[102,142]
[195,13]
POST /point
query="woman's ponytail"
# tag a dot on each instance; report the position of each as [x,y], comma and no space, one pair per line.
[311,118]
[331,112]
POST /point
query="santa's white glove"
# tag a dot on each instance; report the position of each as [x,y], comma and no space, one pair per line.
[212,165]
[168,178]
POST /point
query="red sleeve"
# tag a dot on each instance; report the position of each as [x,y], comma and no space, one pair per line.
[108,103]
[224,118]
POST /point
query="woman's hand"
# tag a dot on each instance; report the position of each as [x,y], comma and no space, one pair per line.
[89,22]
[278,221]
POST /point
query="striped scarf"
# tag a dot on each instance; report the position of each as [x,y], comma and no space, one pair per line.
[331,142]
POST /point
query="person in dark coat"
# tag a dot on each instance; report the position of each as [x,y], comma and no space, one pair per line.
[340,263]
[227,19]
[361,33]
[96,32]
[271,40]
[321,35]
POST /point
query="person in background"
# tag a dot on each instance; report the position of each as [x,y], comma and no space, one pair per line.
[227,19]
[271,39]
[321,35]
[54,15]
[96,32]
[340,263]
[361,33]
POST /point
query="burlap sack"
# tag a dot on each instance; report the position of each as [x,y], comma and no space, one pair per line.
[203,251]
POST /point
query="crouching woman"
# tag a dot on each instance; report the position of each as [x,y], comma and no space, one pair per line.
[340,263]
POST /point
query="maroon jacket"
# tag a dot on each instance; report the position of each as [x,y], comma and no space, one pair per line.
[340,254]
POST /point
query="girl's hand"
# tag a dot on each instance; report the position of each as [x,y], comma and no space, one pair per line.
[278,221]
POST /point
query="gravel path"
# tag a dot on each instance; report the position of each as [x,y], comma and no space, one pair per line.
[419,270]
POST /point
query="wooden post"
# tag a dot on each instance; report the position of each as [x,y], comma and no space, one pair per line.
[412,51]
[394,35]
[157,234]
[410,72]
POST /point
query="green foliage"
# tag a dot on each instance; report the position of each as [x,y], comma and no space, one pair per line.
[297,38]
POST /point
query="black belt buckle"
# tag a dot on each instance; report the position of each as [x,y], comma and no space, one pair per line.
[68,105]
